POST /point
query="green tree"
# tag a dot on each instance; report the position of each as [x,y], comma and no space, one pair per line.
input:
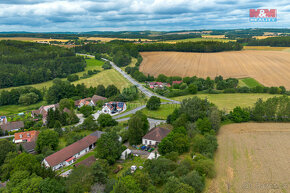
[73,77]
[47,138]
[111,90]
[109,147]
[86,110]
[80,180]
[101,90]
[28,99]
[106,120]
[51,185]
[100,171]
[5,147]
[204,125]
[192,88]
[205,167]
[205,145]
[175,186]
[153,103]
[57,128]
[127,184]
[66,103]
[194,180]
[239,115]
[138,127]
[90,124]
[161,78]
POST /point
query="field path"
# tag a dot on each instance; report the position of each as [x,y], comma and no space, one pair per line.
[270,68]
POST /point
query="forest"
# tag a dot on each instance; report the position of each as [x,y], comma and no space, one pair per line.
[25,63]
[200,46]
[283,41]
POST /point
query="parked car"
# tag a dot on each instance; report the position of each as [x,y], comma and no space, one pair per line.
[147,148]
[143,147]
[151,149]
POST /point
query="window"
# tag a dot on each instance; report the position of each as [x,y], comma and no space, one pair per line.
[145,142]
[149,142]
[20,136]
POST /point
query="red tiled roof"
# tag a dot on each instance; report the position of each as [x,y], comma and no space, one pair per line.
[12,125]
[70,150]
[77,103]
[28,135]
[97,98]
[176,82]
[157,134]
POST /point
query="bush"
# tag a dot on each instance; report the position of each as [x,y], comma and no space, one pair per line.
[206,145]
[106,120]
[153,103]
[239,115]
[73,77]
[107,65]
[86,110]
[205,167]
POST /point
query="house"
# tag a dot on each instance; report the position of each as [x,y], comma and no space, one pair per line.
[176,82]
[114,107]
[12,126]
[154,136]
[83,102]
[89,101]
[43,110]
[27,136]
[71,153]
[29,147]
[160,85]
[97,98]
[3,120]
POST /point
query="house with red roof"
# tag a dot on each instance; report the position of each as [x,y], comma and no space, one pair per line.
[154,136]
[160,85]
[89,101]
[27,136]
[43,110]
[71,153]
[176,82]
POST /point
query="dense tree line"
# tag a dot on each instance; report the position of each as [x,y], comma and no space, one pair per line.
[200,46]
[25,63]
[283,41]
[25,96]
[273,109]
[41,35]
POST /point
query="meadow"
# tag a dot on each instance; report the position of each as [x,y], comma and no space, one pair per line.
[270,68]
[252,158]
[229,101]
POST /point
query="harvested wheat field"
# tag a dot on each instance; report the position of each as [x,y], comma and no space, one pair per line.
[252,158]
[270,68]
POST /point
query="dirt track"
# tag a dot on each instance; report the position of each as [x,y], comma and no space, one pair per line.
[252,158]
[271,68]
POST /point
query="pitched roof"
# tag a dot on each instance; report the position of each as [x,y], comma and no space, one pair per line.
[87,162]
[12,125]
[29,146]
[70,150]
[78,102]
[157,134]
[177,82]
[97,98]
[32,135]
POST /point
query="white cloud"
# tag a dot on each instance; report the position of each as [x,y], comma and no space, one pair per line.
[87,15]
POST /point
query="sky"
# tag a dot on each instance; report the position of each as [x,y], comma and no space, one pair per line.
[135,15]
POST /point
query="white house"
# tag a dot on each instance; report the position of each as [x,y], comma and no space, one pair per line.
[114,107]
[154,136]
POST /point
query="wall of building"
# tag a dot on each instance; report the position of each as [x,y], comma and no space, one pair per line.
[148,142]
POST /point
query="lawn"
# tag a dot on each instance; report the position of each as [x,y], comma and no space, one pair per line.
[229,101]
[160,113]
[137,161]
[249,82]
[13,109]
[106,77]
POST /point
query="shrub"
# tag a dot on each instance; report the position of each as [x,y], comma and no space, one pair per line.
[153,103]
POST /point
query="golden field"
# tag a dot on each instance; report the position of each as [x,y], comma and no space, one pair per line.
[252,158]
[270,68]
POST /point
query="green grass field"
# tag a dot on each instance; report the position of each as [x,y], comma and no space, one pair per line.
[162,112]
[249,82]
[228,102]
[13,109]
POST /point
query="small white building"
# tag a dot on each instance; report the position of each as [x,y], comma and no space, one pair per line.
[154,136]
[125,154]
[114,107]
